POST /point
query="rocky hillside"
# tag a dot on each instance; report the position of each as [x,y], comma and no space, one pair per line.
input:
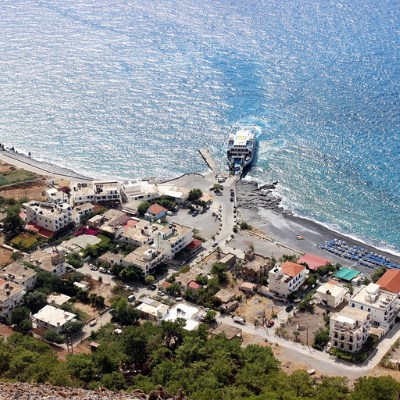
[24,391]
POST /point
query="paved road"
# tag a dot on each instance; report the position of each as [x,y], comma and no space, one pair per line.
[322,362]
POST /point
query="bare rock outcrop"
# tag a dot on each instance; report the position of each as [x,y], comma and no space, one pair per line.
[25,391]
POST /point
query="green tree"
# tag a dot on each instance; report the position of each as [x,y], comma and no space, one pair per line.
[53,336]
[172,332]
[174,289]
[12,224]
[377,388]
[149,279]
[20,317]
[81,366]
[35,300]
[195,194]
[378,273]
[73,327]
[123,312]
[219,270]
[210,316]
[321,338]
[114,381]
[143,207]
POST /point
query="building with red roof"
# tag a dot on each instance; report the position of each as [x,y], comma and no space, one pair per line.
[313,262]
[390,281]
[155,212]
[286,279]
[193,285]
[194,245]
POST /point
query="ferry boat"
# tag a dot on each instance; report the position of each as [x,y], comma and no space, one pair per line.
[241,147]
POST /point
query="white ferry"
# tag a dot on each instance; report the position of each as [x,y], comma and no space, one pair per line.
[242,144]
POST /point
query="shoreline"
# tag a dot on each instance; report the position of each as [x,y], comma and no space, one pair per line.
[258,205]
[47,169]
[261,208]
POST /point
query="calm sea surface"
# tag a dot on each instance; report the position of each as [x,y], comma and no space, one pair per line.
[133,88]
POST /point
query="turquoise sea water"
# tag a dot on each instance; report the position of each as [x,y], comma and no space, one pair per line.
[131,88]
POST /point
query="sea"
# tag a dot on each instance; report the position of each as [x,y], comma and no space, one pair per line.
[130,89]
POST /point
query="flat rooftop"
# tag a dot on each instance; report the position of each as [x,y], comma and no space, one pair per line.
[19,272]
[53,316]
[347,274]
[382,300]
[8,289]
[188,313]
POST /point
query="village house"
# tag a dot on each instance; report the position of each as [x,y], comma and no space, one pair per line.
[11,296]
[20,274]
[55,196]
[193,285]
[138,233]
[152,309]
[390,281]
[51,217]
[82,211]
[111,258]
[114,222]
[145,257]
[172,239]
[248,287]
[141,190]
[53,318]
[184,311]
[254,268]
[331,294]
[50,262]
[349,329]
[313,262]
[94,192]
[286,279]
[155,212]
[177,194]
[228,260]
[380,304]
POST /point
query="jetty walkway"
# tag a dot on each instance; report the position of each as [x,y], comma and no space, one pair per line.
[205,153]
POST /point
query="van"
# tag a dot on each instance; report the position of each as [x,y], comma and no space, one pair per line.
[131,298]
[239,320]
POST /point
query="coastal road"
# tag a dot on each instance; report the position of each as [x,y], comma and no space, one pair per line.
[322,362]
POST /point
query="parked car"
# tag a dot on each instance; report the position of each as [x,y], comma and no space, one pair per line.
[239,320]
[215,244]
[270,323]
[93,323]
[159,293]
[311,371]
[289,308]
[152,287]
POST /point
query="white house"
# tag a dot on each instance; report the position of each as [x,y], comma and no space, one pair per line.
[11,296]
[141,190]
[94,192]
[20,274]
[138,232]
[349,329]
[81,193]
[56,196]
[81,211]
[331,294]
[52,217]
[50,262]
[152,309]
[381,305]
[144,257]
[172,238]
[106,191]
[286,279]
[53,318]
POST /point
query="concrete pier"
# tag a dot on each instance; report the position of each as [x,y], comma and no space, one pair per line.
[209,160]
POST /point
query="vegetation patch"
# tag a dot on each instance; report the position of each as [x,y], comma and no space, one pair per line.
[25,241]
[13,176]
